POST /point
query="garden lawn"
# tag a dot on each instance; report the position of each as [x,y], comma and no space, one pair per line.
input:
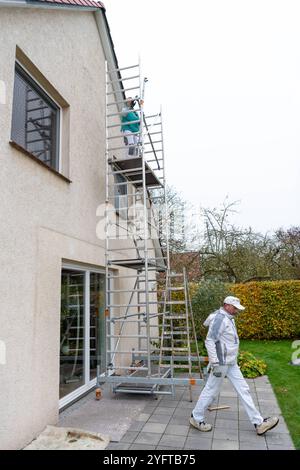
[285,379]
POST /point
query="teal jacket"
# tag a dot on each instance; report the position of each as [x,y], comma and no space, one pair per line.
[128,115]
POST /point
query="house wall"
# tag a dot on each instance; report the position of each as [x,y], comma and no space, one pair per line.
[43,218]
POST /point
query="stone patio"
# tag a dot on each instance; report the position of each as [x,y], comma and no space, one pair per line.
[163,424]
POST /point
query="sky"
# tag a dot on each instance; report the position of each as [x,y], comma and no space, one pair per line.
[227,75]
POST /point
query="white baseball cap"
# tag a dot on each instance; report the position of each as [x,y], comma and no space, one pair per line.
[234,301]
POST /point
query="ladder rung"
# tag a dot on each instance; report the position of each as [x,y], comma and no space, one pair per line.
[175,317]
[175,302]
[175,288]
[175,349]
[124,68]
[123,79]
[174,366]
[122,90]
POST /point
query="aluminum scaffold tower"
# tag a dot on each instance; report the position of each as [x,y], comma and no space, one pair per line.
[149,334]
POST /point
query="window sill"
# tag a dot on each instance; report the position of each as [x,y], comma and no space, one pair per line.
[30,155]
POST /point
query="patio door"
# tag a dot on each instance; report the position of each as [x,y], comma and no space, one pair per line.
[82,331]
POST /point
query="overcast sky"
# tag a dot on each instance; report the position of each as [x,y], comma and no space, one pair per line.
[227,73]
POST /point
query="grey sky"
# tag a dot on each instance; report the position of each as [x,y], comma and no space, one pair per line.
[228,76]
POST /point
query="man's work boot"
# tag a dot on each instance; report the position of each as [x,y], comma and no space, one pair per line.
[204,427]
[266,425]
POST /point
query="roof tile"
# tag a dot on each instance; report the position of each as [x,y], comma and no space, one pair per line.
[80,3]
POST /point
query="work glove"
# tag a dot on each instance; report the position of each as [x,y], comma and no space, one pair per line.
[217,370]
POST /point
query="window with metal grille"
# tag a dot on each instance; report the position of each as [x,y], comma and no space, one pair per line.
[35,120]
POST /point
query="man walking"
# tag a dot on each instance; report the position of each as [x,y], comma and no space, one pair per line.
[222,344]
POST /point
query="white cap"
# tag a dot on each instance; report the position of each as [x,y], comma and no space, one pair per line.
[234,301]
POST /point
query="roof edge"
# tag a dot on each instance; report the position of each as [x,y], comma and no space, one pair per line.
[81,5]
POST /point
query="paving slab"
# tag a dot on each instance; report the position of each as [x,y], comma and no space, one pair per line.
[164,423]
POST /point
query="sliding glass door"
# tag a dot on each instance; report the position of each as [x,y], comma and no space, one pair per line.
[82,331]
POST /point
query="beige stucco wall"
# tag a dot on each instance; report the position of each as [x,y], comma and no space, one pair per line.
[44,219]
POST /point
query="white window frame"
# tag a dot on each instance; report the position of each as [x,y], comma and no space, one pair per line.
[88,384]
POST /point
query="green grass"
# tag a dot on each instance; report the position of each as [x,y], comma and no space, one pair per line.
[285,379]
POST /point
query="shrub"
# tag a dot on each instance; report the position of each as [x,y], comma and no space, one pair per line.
[272,309]
[251,367]
[207,296]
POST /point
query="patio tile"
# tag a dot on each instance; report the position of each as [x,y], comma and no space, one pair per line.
[129,437]
[219,444]
[118,446]
[148,438]
[163,410]
[227,414]
[253,445]
[280,447]
[274,438]
[193,432]
[226,434]
[177,429]
[173,441]
[157,428]
[136,426]
[226,423]
[164,419]
[168,448]
[194,444]
[250,436]
[141,447]
[143,417]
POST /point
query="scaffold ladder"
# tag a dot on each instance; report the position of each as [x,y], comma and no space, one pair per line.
[137,305]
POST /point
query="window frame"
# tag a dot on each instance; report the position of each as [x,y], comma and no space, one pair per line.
[23,73]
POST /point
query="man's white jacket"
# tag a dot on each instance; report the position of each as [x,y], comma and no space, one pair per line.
[222,342]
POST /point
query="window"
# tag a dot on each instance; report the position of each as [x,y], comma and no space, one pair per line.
[35,120]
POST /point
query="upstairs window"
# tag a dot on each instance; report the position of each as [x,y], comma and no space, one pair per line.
[35,120]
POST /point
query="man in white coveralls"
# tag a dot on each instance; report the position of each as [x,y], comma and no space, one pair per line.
[222,344]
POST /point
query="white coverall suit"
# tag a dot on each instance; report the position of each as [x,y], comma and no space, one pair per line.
[222,344]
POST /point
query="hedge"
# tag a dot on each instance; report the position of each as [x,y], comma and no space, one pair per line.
[272,309]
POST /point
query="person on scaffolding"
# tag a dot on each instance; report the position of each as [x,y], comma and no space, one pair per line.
[130,127]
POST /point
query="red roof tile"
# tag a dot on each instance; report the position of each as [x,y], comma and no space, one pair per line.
[80,3]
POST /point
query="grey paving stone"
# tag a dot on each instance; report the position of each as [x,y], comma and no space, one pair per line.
[193,443]
[226,423]
[253,445]
[182,412]
[129,437]
[250,437]
[275,438]
[136,426]
[219,444]
[228,394]
[246,426]
[157,428]
[173,441]
[164,419]
[148,438]
[186,404]
[278,447]
[141,447]
[179,420]
[118,446]
[193,432]
[227,414]
[168,448]
[226,434]
[177,429]
[163,410]
[143,417]
[169,403]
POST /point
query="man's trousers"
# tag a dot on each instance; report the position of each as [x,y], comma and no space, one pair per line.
[212,390]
